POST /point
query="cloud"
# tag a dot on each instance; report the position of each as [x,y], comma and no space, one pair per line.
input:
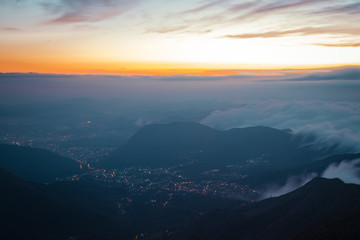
[342,44]
[167,29]
[179,21]
[337,74]
[242,6]
[11,29]
[331,124]
[218,75]
[221,18]
[347,171]
[202,8]
[294,11]
[140,122]
[248,9]
[347,8]
[272,7]
[87,10]
[298,31]
[292,183]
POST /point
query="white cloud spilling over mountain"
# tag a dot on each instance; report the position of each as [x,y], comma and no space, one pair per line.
[292,183]
[348,171]
[329,123]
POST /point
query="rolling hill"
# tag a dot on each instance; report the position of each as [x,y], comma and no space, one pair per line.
[164,145]
[36,164]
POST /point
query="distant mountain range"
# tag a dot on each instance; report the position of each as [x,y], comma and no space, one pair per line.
[322,209]
[164,145]
[36,164]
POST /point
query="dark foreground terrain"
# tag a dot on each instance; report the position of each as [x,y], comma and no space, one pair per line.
[322,209]
[180,181]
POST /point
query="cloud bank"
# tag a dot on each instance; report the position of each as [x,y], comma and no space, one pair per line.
[347,171]
[292,183]
[329,123]
[338,74]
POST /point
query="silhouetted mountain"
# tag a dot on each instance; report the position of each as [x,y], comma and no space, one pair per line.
[26,213]
[282,217]
[36,164]
[163,145]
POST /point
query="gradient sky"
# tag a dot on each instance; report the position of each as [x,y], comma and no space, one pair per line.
[172,37]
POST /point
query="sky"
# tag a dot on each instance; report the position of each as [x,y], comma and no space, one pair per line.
[324,104]
[168,37]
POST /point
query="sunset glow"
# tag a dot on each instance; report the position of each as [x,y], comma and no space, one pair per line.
[167,37]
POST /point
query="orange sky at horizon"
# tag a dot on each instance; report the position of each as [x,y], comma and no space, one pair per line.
[158,37]
[160,68]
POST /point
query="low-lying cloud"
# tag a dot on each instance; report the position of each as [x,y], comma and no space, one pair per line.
[347,171]
[292,183]
[329,123]
[338,74]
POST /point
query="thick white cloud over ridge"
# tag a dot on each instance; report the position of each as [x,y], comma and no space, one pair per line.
[348,171]
[329,122]
[292,183]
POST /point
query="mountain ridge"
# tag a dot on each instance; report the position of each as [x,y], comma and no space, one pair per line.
[163,145]
[35,164]
[28,213]
[276,218]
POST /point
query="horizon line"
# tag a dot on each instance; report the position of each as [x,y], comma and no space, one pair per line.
[196,71]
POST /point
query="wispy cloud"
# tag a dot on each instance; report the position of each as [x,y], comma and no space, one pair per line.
[242,6]
[342,44]
[11,29]
[203,7]
[299,31]
[167,29]
[292,183]
[251,8]
[190,20]
[323,23]
[276,7]
[87,10]
[347,8]
[223,14]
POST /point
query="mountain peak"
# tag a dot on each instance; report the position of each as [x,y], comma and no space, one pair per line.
[35,164]
[320,181]
[175,126]
[164,145]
